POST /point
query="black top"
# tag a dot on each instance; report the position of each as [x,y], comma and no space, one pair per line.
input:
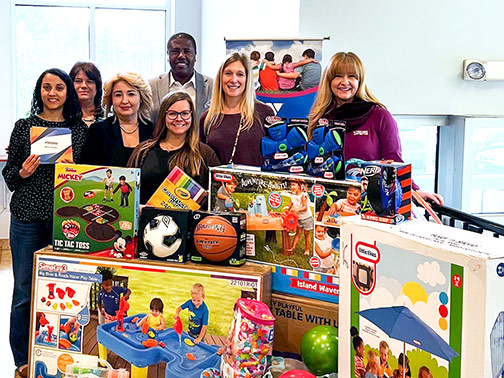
[222,137]
[33,196]
[156,167]
[105,145]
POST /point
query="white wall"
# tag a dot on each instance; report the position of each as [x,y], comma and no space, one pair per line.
[243,19]
[6,67]
[413,50]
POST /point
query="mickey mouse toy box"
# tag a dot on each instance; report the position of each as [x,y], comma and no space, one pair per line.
[96,210]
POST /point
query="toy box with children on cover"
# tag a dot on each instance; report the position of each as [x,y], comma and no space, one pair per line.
[168,317]
[292,220]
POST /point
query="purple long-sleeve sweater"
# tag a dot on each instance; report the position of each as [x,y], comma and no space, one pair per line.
[371,132]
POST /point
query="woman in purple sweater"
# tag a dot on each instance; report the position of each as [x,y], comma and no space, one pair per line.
[371,131]
[234,124]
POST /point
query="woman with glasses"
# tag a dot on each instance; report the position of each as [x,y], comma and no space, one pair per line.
[175,142]
[127,98]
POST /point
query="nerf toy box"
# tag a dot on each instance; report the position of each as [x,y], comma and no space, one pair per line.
[96,210]
[283,148]
[218,238]
[163,234]
[427,290]
[178,191]
[387,191]
[325,150]
[292,223]
[84,306]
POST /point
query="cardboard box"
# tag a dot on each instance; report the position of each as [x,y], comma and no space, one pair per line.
[92,212]
[273,204]
[295,316]
[164,235]
[218,238]
[439,282]
[74,280]
[387,198]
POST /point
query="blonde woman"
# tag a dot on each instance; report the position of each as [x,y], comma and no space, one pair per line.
[127,99]
[175,142]
[371,131]
[234,124]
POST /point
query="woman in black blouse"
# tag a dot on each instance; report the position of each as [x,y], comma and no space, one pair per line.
[112,141]
[54,104]
[175,143]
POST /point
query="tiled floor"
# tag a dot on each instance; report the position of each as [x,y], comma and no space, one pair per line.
[6,282]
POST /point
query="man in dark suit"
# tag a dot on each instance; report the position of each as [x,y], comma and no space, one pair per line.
[181,50]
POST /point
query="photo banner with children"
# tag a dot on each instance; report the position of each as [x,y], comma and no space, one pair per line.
[286,72]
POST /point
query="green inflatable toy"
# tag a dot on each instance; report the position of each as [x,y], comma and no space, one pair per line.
[319,350]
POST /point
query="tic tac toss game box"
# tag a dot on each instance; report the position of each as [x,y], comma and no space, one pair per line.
[67,294]
[96,210]
[292,223]
[428,290]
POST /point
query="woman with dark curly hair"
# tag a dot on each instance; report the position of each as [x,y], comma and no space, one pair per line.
[54,104]
[89,87]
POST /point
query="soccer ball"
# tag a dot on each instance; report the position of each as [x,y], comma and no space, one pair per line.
[162,236]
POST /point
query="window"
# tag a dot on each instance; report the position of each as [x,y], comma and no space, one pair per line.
[58,34]
[419,145]
[487,160]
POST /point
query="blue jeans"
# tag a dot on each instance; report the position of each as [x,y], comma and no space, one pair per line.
[25,239]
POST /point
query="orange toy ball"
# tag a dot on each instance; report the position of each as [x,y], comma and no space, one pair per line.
[215,238]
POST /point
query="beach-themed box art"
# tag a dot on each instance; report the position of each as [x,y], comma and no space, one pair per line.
[96,210]
[52,144]
[292,224]
[145,312]
[422,295]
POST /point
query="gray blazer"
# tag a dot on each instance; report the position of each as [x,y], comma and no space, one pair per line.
[159,86]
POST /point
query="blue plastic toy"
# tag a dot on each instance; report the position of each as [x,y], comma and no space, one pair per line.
[283,148]
[325,152]
[128,345]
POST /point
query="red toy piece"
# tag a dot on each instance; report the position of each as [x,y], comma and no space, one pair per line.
[51,290]
[162,344]
[61,293]
[145,328]
[150,343]
[70,292]
[177,326]
[289,221]
[123,308]
[49,333]
[190,357]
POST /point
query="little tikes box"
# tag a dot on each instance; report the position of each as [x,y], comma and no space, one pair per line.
[96,209]
[427,290]
[292,223]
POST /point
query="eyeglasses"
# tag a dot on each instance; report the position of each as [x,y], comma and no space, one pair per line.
[185,115]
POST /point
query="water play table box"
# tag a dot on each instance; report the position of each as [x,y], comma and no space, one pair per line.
[268,199]
[431,291]
[96,210]
[65,295]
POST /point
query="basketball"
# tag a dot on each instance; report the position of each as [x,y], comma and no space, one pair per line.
[215,238]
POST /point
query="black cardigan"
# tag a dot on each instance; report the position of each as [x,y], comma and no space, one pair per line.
[105,146]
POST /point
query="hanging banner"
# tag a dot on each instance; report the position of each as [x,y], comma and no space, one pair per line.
[286,72]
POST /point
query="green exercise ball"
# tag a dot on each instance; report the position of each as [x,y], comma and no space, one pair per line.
[319,350]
